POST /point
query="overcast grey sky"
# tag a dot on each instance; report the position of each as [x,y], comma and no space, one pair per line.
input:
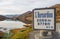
[21,6]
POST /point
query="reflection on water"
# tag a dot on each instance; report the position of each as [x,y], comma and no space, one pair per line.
[10,24]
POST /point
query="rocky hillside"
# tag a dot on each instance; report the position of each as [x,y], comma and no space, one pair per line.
[26,17]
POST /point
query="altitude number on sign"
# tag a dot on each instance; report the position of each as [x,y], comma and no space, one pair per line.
[49,26]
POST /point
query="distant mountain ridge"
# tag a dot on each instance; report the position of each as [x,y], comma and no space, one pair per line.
[4,17]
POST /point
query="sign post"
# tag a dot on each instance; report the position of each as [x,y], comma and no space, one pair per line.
[44,19]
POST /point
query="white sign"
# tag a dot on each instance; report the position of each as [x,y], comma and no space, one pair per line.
[44,19]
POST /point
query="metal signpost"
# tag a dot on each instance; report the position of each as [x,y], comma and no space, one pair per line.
[44,19]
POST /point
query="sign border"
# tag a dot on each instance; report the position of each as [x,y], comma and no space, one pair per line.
[54,18]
